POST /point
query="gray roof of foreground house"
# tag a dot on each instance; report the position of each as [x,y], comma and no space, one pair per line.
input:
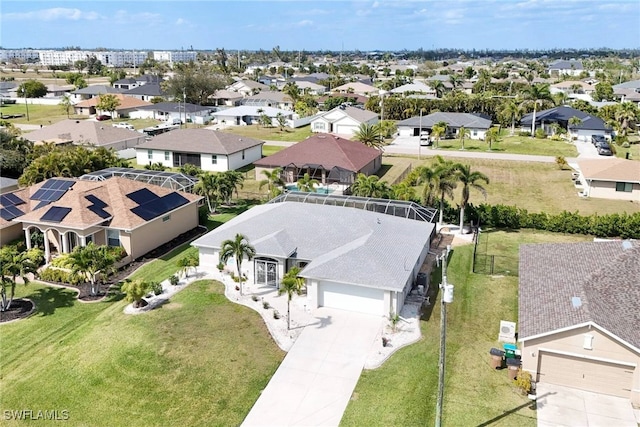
[203,141]
[564,114]
[468,120]
[343,244]
[605,276]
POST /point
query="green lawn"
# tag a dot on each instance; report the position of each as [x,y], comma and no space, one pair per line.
[268,150]
[403,391]
[515,145]
[38,114]
[633,150]
[271,133]
[199,360]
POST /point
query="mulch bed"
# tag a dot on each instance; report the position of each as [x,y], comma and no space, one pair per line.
[124,272]
[19,309]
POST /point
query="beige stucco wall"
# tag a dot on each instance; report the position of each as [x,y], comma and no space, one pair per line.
[11,232]
[571,342]
[373,166]
[607,190]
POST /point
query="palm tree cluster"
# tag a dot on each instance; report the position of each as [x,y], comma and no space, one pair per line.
[218,187]
[14,264]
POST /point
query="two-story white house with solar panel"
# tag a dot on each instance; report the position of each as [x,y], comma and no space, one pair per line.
[116,211]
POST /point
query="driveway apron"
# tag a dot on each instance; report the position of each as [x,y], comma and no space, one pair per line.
[314,383]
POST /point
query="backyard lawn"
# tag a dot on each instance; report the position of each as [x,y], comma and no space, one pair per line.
[271,133]
[535,186]
[514,145]
[403,391]
[38,114]
[199,360]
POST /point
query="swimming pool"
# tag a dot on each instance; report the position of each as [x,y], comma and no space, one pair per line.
[319,190]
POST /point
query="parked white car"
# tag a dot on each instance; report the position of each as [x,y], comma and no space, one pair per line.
[124,125]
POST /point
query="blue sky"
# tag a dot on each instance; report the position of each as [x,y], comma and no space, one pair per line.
[327,25]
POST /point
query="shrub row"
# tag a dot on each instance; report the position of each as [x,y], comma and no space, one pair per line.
[626,226]
[61,276]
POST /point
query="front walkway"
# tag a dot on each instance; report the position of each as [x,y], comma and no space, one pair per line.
[315,381]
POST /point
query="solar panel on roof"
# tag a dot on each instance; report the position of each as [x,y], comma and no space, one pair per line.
[142,196]
[10,212]
[99,211]
[57,184]
[55,214]
[10,199]
[96,201]
[159,206]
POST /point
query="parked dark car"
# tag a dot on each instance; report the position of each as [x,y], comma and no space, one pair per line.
[604,149]
[597,139]
[103,117]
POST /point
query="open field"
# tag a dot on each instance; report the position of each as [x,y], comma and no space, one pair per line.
[533,186]
[633,150]
[199,360]
[271,133]
[403,391]
[38,114]
[515,145]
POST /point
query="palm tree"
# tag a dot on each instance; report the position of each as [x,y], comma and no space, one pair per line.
[135,290]
[273,182]
[492,135]
[291,284]
[428,178]
[438,130]
[157,166]
[537,94]
[463,133]
[282,121]
[469,179]
[90,260]
[455,81]
[16,264]
[209,187]
[438,86]
[370,186]
[403,191]
[446,181]
[370,135]
[307,184]
[513,111]
[232,180]
[626,114]
[66,104]
[237,248]
[260,112]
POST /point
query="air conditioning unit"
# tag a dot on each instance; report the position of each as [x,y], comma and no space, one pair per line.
[507,332]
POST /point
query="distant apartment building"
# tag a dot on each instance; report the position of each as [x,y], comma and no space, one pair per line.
[108,58]
[174,56]
[23,55]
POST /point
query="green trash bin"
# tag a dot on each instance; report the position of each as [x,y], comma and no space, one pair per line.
[510,351]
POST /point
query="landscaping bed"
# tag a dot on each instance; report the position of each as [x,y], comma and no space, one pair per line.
[19,309]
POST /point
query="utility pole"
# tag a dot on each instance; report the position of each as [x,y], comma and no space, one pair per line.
[447,297]
[184,105]
[420,137]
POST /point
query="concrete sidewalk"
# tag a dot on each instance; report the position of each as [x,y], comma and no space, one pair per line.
[314,383]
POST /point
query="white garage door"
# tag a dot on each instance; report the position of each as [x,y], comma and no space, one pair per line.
[352,298]
[586,374]
[345,129]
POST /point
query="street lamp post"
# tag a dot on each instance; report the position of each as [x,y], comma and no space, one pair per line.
[382,93]
[447,298]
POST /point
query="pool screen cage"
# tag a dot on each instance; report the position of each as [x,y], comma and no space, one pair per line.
[173,180]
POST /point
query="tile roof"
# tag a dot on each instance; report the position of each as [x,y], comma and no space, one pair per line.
[613,169]
[605,276]
[112,191]
[269,95]
[468,120]
[343,244]
[326,150]
[357,88]
[201,140]
[126,102]
[82,131]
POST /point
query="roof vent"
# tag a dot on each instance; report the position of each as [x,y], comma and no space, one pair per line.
[626,244]
[576,302]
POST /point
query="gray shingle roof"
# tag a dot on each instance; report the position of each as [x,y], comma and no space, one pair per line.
[343,244]
[604,275]
[200,141]
[456,120]
[564,114]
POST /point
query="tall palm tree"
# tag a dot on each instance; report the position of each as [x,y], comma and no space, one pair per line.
[446,181]
[66,104]
[291,285]
[238,248]
[273,181]
[90,260]
[437,131]
[463,133]
[233,180]
[626,114]
[307,184]
[428,178]
[537,94]
[492,135]
[469,179]
[513,111]
[438,86]
[209,187]
[369,134]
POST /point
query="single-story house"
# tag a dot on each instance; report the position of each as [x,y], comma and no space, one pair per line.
[207,149]
[170,111]
[127,105]
[83,132]
[310,87]
[247,115]
[358,88]
[115,212]
[346,255]
[343,120]
[415,87]
[477,124]
[226,98]
[589,125]
[268,98]
[352,99]
[326,158]
[247,87]
[146,92]
[579,311]
[93,91]
[571,67]
[572,87]
[614,178]
[56,91]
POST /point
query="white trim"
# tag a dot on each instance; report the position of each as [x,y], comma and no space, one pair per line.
[580,325]
[581,356]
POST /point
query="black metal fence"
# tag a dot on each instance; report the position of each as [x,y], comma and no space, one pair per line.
[487,263]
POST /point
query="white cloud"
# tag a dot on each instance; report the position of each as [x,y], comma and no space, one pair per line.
[144,18]
[304,23]
[181,21]
[53,14]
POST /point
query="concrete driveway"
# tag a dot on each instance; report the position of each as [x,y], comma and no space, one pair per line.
[568,407]
[314,383]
